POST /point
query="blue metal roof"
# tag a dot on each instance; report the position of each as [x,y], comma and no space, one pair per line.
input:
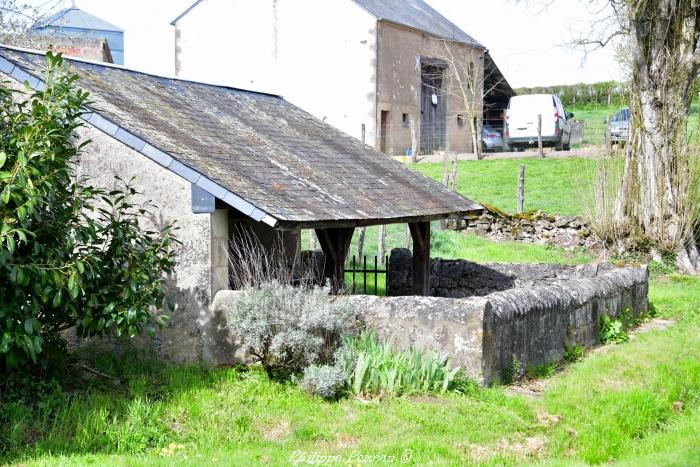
[416,14]
[77,19]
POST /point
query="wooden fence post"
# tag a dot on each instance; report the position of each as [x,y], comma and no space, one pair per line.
[363,133]
[361,242]
[382,238]
[539,134]
[521,189]
[414,141]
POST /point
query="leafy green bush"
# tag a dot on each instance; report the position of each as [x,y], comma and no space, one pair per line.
[573,353]
[612,330]
[288,328]
[71,255]
[375,368]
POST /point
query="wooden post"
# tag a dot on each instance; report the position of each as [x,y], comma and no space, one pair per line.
[407,238]
[382,238]
[445,182]
[414,141]
[361,242]
[363,133]
[521,189]
[539,134]
[335,243]
[312,240]
[608,139]
[420,231]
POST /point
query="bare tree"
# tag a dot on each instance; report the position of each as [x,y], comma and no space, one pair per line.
[658,196]
[16,17]
[464,80]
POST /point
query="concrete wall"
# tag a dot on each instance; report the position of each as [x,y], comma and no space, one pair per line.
[190,286]
[399,86]
[319,55]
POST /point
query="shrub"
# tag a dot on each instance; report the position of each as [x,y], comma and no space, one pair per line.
[544,370]
[325,380]
[288,328]
[573,353]
[71,255]
[373,368]
[612,330]
[513,371]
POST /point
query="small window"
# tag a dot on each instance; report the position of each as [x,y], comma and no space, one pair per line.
[404,119]
[460,120]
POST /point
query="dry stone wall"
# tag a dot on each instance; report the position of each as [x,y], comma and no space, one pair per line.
[533,227]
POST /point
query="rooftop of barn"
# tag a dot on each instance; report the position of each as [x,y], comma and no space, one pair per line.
[269,155]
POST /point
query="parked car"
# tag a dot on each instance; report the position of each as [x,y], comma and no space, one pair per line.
[521,122]
[620,126]
[490,139]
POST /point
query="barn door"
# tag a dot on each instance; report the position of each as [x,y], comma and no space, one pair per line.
[433,108]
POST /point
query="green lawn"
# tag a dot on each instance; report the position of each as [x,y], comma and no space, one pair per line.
[550,184]
[636,403]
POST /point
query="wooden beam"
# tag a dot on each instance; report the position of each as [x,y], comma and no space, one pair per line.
[335,243]
[294,225]
[420,232]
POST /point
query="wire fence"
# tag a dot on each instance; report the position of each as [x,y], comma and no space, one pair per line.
[579,128]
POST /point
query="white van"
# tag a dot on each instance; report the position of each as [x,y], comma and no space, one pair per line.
[521,122]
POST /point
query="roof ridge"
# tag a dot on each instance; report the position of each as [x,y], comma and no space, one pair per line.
[47,22]
[140,72]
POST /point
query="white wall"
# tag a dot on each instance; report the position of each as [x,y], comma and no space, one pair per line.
[318,54]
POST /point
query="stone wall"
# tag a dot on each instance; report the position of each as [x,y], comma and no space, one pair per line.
[461,278]
[533,227]
[533,323]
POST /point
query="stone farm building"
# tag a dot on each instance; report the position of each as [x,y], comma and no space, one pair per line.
[366,67]
[217,159]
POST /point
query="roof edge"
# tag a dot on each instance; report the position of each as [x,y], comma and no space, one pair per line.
[46,22]
[476,44]
[140,72]
[184,13]
[143,147]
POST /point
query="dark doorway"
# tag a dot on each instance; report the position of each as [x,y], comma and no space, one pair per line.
[433,109]
[383,131]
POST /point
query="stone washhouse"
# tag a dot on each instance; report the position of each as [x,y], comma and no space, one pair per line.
[214,158]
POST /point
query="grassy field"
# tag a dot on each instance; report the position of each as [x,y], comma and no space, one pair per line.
[636,403]
[550,184]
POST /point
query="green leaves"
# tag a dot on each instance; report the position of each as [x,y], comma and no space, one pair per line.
[71,255]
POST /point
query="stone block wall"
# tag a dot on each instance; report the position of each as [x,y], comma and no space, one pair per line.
[531,317]
[461,278]
[532,322]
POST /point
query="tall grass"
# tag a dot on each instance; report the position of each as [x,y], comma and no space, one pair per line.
[375,368]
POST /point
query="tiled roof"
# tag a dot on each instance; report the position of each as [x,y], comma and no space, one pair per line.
[255,151]
[416,14]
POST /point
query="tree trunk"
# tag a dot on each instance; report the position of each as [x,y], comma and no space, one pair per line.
[476,137]
[361,243]
[657,190]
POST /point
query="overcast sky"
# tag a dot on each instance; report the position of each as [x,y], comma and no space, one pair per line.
[527,40]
